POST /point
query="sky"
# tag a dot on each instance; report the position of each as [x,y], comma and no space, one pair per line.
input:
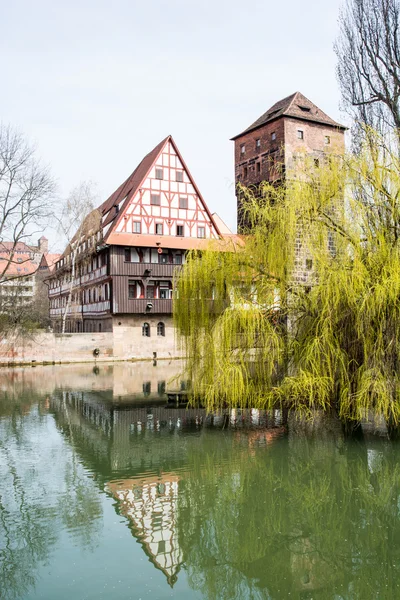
[96,85]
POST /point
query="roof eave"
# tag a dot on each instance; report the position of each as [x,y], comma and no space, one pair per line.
[246,131]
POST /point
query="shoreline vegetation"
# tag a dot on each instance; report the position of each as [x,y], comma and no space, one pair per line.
[256,337]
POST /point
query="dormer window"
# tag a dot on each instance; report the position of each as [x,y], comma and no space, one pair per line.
[304,108]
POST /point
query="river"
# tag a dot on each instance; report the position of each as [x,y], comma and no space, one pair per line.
[107,493]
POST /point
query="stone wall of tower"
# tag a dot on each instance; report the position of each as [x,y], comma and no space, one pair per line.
[317,141]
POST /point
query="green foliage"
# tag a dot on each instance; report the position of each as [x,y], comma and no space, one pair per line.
[260,327]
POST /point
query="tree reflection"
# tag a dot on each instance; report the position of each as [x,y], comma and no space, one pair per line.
[305,518]
[40,493]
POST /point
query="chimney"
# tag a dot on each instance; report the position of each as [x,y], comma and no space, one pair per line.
[43,244]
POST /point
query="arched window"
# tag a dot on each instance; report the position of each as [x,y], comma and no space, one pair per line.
[161,329]
[146,330]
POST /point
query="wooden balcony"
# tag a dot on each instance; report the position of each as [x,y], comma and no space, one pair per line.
[153,270]
[144,306]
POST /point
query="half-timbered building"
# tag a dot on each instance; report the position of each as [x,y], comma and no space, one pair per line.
[118,271]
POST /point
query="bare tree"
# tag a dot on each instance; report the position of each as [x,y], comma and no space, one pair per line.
[368,69]
[79,222]
[26,189]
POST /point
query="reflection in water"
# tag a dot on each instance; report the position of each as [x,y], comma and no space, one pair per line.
[225,506]
[151,506]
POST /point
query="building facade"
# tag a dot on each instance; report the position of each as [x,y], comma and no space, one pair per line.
[267,149]
[126,257]
[22,267]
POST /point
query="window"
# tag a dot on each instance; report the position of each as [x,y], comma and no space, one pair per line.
[183,202]
[127,255]
[159,228]
[201,232]
[308,264]
[159,173]
[161,329]
[258,167]
[137,227]
[106,291]
[145,330]
[161,387]
[273,136]
[164,293]
[242,148]
[132,289]
[258,144]
[300,134]
[327,140]
[163,258]
[178,259]
[155,199]
[147,386]
[316,162]
[150,292]
[245,172]
[179,176]
[179,230]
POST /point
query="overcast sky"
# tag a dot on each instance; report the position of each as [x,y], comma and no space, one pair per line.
[96,85]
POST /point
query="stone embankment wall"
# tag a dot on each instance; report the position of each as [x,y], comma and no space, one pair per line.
[82,347]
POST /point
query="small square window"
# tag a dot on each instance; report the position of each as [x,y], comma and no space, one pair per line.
[183,202]
[300,134]
[201,232]
[327,140]
[163,258]
[242,149]
[155,199]
[159,228]
[159,173]
[258,144]
[273,136]
[180,230]
[179,176]
[137,227]
[127,255]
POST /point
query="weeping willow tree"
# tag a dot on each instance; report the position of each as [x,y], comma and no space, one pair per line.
[305,313]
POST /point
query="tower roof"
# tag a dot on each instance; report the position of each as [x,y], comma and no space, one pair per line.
[295,106]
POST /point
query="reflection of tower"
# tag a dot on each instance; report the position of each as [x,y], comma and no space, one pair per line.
[151,505]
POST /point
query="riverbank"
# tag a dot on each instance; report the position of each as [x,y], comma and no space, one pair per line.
[56,348]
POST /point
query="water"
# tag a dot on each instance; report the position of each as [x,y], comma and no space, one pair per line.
[105,493]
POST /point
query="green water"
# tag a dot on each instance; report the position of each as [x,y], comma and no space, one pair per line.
[105,493]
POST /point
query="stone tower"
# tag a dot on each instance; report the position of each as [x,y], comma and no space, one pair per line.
[265,150]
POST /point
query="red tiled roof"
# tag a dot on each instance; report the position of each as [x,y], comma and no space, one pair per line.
[7,247]
[175,242]
[18,269]
[131,185]
[297,106]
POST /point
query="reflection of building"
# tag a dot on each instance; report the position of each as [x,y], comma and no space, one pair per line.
[151,505]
